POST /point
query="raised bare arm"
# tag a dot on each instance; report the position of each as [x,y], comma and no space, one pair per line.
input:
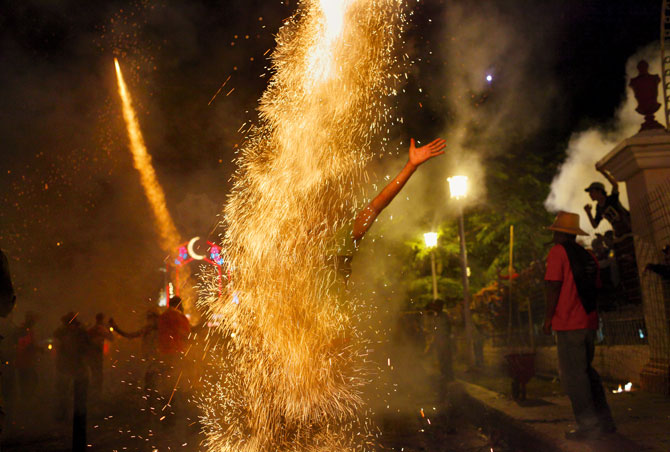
[417,156]
[610,178]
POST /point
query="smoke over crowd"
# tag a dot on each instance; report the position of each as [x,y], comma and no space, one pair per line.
[587,147]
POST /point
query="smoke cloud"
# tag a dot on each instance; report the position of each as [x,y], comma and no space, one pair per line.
[587,147]
[481,120]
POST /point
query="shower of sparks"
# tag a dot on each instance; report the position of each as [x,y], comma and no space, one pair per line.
[295,364]
[169,236]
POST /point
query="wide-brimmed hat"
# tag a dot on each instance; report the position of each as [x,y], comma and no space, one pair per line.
[567,222]
[596,186]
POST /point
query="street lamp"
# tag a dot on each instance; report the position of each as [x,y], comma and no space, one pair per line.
[458,188]
[430,238]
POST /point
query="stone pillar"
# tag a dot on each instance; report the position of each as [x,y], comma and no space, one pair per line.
[643,163]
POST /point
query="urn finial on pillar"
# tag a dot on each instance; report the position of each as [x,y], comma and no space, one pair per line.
[645,87]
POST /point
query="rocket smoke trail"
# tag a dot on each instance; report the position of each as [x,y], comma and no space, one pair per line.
[293,377]
[142,161]
[169,236]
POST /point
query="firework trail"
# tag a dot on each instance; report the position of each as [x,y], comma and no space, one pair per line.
[142,161]
[295,370]
[169,236]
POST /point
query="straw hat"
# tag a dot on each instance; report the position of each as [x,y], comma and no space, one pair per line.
[567,222]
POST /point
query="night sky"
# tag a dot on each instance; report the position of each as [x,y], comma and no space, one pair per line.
[73,218]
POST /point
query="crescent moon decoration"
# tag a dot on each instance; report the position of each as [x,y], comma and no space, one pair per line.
[192,252]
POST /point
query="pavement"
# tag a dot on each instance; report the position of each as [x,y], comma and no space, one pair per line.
[643,419]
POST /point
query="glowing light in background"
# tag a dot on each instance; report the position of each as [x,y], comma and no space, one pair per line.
[489,78]
[295,364]
[458,186]
[430,238]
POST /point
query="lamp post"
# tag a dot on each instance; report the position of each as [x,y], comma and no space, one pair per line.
[430,238]
[458,188]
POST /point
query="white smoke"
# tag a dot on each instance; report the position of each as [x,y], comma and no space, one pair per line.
[587,147]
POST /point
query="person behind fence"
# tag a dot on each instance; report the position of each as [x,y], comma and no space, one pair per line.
[662,270]
[571,290]
[609,207]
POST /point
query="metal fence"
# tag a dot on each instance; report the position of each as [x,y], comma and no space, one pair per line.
[622,322]
[653,234]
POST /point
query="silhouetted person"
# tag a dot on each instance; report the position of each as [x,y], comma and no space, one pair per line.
[437,321]
[662,270]
[609,207]
[27,356]
[9,334]
[149,335]
[7,295]
[173,329]
[98,334]
[599,248]
[173,338]
[7,302]
[72,352]
[571,287]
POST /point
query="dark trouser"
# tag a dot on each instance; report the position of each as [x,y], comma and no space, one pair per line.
[79,414]
[28,382]
[580,381]
[97,366]
[624,251]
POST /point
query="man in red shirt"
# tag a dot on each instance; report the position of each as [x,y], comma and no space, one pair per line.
[571,286]
[173,329]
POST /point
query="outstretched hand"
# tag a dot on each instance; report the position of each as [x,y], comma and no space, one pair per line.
[419,155]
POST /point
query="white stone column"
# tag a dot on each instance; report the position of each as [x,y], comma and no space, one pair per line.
[643,163]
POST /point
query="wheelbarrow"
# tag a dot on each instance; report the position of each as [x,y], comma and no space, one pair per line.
[521,367]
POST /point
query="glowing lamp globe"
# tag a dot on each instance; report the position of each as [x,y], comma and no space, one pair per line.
[458,186]
[430,238]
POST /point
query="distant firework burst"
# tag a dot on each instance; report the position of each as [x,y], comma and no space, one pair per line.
[293,376]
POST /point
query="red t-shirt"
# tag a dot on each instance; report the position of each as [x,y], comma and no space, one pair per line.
[570,314]
[173,331]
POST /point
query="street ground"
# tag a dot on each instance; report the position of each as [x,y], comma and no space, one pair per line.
[128,431]
[643,419]
[122,424]
[421,413]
